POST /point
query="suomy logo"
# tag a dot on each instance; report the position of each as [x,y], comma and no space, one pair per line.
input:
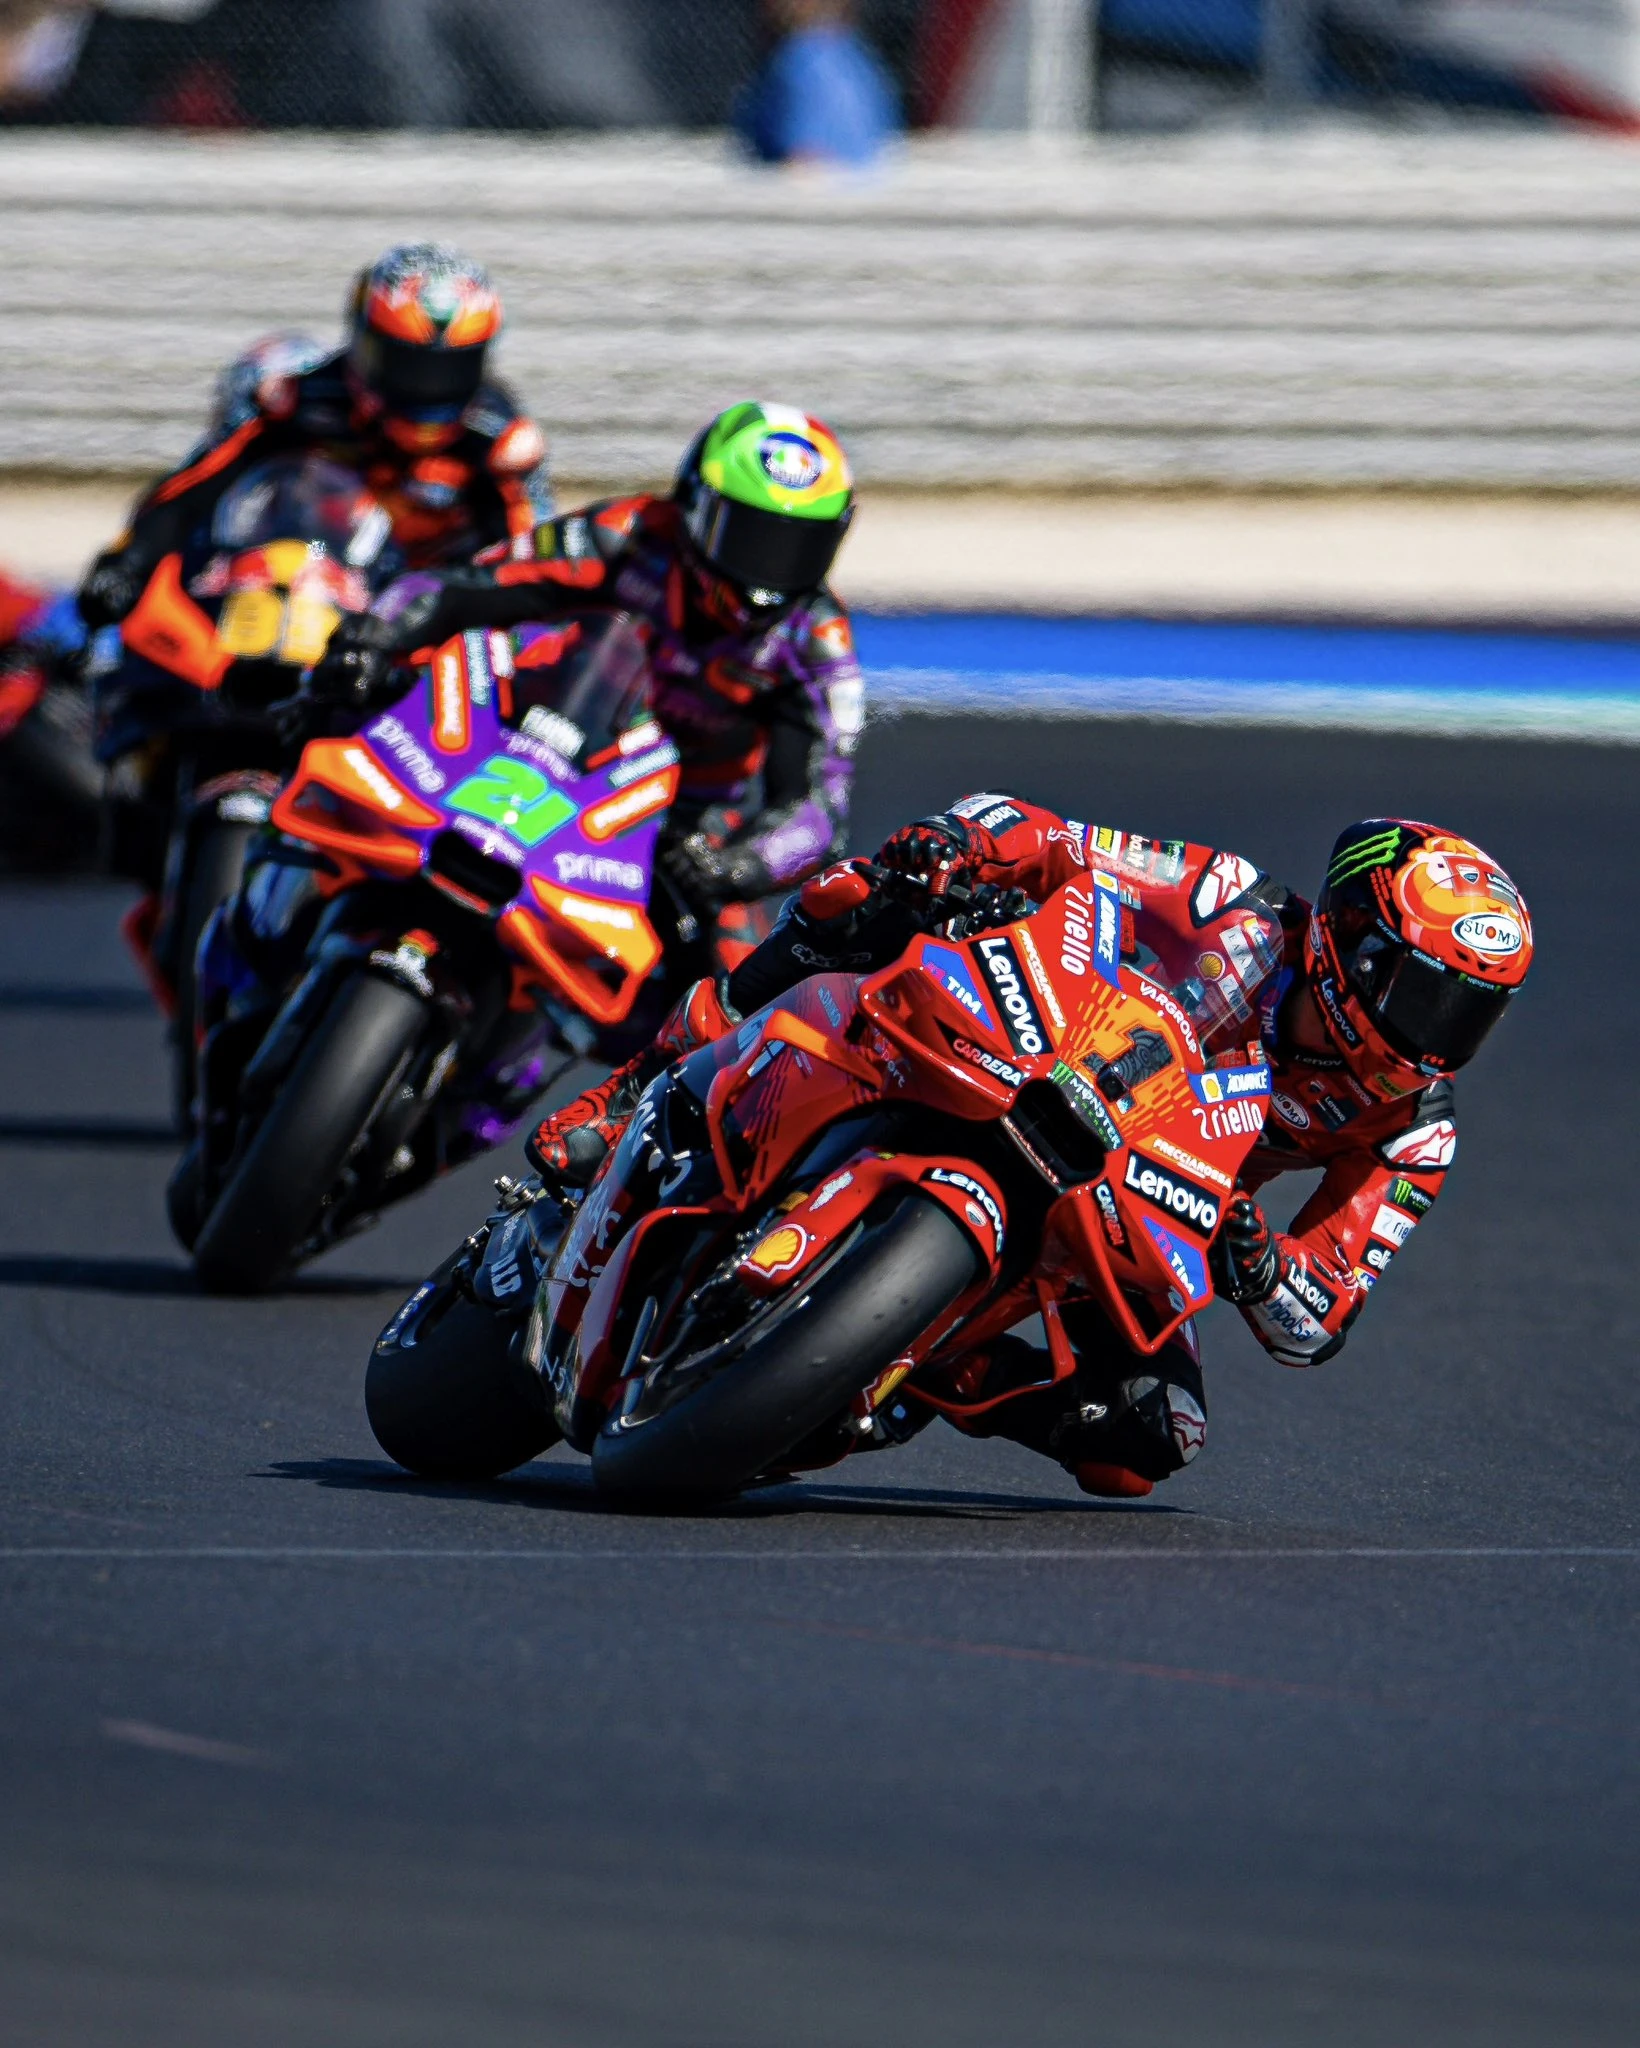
[1169,1189]
[1018,1011]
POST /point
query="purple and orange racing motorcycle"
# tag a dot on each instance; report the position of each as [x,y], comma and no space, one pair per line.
[442,903]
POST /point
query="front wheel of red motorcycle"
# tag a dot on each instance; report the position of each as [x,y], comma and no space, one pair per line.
[792,1368]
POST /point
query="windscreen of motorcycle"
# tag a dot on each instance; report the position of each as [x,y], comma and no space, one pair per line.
[581,685]
[300,541]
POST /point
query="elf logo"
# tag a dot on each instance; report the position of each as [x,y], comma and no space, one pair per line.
[1169,1189]
[1018,1011]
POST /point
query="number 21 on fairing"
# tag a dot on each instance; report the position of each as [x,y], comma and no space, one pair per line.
[515,796]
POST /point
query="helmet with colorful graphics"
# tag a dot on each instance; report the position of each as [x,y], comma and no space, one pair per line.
[1415,948]
[766,496]
[422,318]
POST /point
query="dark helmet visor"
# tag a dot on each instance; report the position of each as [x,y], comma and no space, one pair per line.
[411,378]
[761,550]
[1429,1014]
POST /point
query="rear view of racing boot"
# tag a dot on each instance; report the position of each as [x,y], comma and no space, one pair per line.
[1117,1436]
[568,1147]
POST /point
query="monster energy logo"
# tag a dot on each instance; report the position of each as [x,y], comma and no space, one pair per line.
[1376,852]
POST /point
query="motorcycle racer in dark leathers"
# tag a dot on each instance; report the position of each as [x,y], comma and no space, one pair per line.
[755,673]
[1362,1006]
[405,403]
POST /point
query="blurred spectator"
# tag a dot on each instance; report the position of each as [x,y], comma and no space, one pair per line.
[821,96]
[39,47]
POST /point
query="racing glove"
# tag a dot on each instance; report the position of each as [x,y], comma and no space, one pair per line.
[359,667]
[113,584]
[707,875]
[934,850]
[1246,1264]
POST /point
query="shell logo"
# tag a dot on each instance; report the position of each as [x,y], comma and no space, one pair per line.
[780,1250]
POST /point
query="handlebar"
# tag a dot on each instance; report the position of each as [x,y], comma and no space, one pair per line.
[958,910]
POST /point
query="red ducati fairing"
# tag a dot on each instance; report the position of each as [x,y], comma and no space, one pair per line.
[1050,1100]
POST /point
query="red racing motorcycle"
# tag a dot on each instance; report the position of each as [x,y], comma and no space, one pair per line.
[811,1227]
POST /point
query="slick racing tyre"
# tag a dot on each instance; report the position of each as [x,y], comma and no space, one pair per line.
[713,1428]
[274,1197]
[213,876]
[447,1394]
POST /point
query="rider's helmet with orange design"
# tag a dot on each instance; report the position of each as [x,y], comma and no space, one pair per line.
[421,320]
[1415,948]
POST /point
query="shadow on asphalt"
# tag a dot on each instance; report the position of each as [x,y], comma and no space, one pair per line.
[75,1275]
[568,1489]
[110,1133]
[110,1001]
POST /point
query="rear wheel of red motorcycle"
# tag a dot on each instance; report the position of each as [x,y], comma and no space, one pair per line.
[794,1367]
[447,1394]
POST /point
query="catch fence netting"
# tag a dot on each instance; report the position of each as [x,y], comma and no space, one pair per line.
[533,65]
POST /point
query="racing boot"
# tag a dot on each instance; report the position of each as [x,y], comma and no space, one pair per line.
[568,1147]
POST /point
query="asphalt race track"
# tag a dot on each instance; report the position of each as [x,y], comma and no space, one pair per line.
[1332,1741]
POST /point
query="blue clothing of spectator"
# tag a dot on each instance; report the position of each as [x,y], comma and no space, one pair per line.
[822,94]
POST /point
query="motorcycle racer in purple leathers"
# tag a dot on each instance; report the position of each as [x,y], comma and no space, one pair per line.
[755,673]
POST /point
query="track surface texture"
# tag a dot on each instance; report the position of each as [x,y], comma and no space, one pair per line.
[1330,1741]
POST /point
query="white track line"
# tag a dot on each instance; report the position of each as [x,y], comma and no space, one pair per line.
[1086,1554]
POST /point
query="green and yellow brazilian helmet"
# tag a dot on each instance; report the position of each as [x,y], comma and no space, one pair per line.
[766,496]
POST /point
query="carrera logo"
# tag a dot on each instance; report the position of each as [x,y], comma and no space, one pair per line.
[1166,1188]
[977,1056]
[1019,1013]
[1108,1214]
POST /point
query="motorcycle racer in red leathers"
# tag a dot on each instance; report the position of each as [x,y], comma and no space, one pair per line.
[1362,1005]
[405,403]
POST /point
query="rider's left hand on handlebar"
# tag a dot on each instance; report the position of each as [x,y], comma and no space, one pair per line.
[359,667]
[931,851]
[1244,1257]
